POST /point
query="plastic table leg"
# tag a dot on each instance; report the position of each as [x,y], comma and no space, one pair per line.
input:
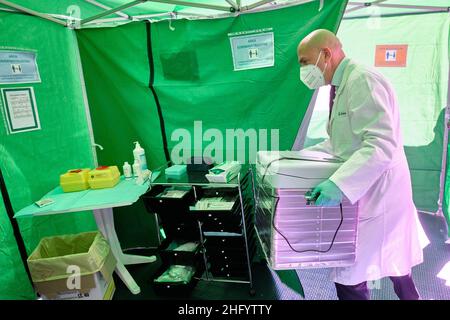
[105,223]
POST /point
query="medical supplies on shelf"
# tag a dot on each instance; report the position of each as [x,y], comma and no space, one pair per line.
[218,218]
[224,172]
[175,171]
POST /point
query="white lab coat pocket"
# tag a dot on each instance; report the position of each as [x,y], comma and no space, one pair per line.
[341,135]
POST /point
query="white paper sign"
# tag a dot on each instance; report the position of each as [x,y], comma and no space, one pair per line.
[18,67]
[20,109]
[253,51]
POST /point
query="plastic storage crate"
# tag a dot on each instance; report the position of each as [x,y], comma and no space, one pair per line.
[294,234]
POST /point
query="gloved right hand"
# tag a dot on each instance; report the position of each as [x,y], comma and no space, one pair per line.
[329,194]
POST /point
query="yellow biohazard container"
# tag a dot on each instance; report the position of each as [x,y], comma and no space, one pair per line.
[75,180]
[104,177]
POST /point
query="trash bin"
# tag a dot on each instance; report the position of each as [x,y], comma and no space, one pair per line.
[73,267]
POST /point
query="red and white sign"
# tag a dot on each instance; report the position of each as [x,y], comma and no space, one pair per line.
[391,55]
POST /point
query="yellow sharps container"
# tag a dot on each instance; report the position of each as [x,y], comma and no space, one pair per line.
[75,180]
[104,177]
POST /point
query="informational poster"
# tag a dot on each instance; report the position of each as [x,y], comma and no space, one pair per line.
[18,67]
[251,51]
[20,109]
[391,55]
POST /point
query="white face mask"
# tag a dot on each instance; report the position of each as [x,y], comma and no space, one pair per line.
[312,76]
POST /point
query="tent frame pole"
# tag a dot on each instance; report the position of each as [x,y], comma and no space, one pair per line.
[195,5]
[233,4]
[398,6]
[105,7]
[87,109]
[33,13]
[132,18]
[440,211]
[255,5]
[200,16]
[362,6]
[112,11]
[175,2]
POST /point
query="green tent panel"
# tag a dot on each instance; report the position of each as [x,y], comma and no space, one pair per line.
[31,162]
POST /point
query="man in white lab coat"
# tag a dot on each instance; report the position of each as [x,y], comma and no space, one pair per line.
[364,131]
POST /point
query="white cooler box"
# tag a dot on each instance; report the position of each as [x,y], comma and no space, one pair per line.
[282,213]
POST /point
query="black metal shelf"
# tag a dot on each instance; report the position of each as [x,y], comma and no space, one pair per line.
[230,231]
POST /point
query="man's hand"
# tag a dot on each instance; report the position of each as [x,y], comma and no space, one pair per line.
[330,194]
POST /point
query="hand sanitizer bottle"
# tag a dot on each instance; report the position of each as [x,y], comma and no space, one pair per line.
[139,156]
[127,171]
[137,169]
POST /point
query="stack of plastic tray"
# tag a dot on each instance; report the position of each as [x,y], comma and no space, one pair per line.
[223,231]
[173,212]
[172,257]
[227,256]
[295,235]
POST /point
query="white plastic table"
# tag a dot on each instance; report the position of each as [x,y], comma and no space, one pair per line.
[101,202]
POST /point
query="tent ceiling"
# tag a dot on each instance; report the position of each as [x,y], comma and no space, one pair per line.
[142,9]
[163,9]
[357,8]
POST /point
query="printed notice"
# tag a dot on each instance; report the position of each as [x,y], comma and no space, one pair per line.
[18,67]
[391,55]
[20,109]
[252,51]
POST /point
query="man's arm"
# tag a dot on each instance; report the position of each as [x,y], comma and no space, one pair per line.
[371,118]
[323,146]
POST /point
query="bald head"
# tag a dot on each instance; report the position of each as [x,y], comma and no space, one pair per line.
[319,39]
[321,46]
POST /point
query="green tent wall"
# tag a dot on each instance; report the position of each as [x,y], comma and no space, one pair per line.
[31,162]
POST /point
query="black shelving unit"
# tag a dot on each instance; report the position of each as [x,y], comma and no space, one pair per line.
[226,237]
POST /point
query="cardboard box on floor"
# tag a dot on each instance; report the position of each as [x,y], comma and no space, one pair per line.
[51,266]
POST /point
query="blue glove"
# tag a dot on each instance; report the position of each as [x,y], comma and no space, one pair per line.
[330,194]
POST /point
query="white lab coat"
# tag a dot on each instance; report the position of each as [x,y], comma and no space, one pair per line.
[364,131]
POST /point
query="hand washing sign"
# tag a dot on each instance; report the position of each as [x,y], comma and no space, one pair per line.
[18,67]
[251,51]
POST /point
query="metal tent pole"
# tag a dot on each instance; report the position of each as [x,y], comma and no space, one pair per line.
[85,100]
[233,4]
[399,6]
[101,5]
[113,10]
[444,161]
[440,211]
[32,12]
[194,4]
[362,6]
[256,4]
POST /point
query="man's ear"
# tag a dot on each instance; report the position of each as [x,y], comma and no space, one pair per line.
[327,54]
